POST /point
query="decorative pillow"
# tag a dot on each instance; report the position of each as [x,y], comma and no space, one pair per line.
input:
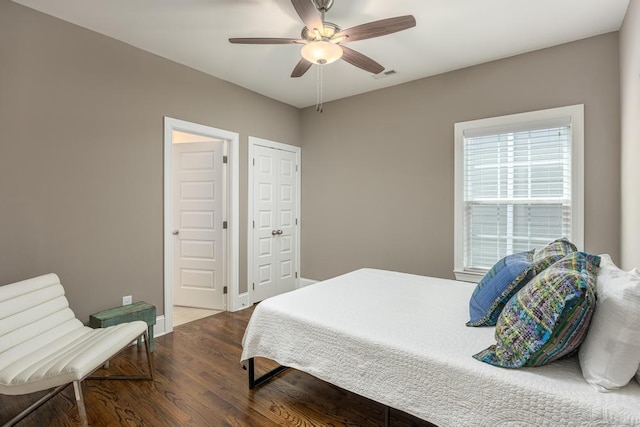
[610,354]
[497,287]
[553,252]
[549,317]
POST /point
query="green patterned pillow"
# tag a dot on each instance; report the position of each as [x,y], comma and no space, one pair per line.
[549,317]
[553,252]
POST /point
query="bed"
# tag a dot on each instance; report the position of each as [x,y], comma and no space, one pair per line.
[401,340]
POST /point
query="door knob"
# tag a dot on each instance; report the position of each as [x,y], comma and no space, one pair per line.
[175,232]
[274,232]
[279,232]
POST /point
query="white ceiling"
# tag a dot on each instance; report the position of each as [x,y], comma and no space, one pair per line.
[450,34]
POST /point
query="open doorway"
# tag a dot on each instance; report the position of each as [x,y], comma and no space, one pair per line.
[201,221]
[199,224]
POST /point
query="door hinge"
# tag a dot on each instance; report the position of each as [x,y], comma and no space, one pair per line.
[254,286]
[254,162]
[225,159]
[296,221]
[224,290]
[296,274]
[296,168]
[224,225]
[254,224]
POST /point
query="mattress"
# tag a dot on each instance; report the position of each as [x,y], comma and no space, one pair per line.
[401,340]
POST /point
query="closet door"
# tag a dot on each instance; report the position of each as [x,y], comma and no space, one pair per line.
[285,272]
[274,215]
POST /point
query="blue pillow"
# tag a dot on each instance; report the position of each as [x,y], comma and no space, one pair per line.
[497,287]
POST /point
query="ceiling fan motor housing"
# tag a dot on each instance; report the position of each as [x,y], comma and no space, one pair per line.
[329,29]
[323,5]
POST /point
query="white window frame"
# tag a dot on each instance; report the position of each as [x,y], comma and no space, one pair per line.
[576,113]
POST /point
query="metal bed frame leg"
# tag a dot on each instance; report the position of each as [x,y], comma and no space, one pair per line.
[254,382]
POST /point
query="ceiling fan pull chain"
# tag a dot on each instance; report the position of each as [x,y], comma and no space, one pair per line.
[319,88]
[320,68]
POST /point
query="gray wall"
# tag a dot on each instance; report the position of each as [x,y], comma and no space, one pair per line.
[630,115]
[377,177]
[81,155]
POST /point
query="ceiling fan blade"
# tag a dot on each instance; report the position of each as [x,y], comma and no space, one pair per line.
[361,61]
[301,67]
[308,13]
[378,28]
[265,40]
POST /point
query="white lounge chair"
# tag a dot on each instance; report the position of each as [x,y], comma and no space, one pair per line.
[43,346]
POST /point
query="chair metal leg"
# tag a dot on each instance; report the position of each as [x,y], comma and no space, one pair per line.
[149,376]
[44,399]
[77,388]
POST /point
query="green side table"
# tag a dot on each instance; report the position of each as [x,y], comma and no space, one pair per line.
[127,313]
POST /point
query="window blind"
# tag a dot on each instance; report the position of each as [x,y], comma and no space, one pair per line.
[517,189]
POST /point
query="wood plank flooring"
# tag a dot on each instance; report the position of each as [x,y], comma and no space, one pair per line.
[199,382]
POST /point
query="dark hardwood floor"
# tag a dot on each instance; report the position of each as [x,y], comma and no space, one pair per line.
[199,382]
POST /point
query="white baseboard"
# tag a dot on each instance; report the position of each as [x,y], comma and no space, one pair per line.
[243,302]
[306,282]
[159,329]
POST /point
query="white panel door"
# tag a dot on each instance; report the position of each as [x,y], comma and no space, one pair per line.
[286,217]
[274,211]
[198,183]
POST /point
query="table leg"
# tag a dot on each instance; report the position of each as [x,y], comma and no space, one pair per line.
[151,338]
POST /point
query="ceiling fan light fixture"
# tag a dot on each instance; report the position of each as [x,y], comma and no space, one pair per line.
[321,52]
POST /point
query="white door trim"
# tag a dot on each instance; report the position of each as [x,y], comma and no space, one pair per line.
[253,141]
[233,218]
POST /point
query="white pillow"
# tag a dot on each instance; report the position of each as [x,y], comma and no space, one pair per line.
[635,271]
[610,354]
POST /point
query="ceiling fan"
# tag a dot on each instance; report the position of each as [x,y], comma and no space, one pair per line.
[324,41]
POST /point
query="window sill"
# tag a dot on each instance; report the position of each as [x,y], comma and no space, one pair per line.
[468,276]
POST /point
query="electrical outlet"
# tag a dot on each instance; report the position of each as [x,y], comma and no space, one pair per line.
[126,300]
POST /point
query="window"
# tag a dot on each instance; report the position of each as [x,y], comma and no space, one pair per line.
[518,185]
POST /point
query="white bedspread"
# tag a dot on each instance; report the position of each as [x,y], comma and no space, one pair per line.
[401,340]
